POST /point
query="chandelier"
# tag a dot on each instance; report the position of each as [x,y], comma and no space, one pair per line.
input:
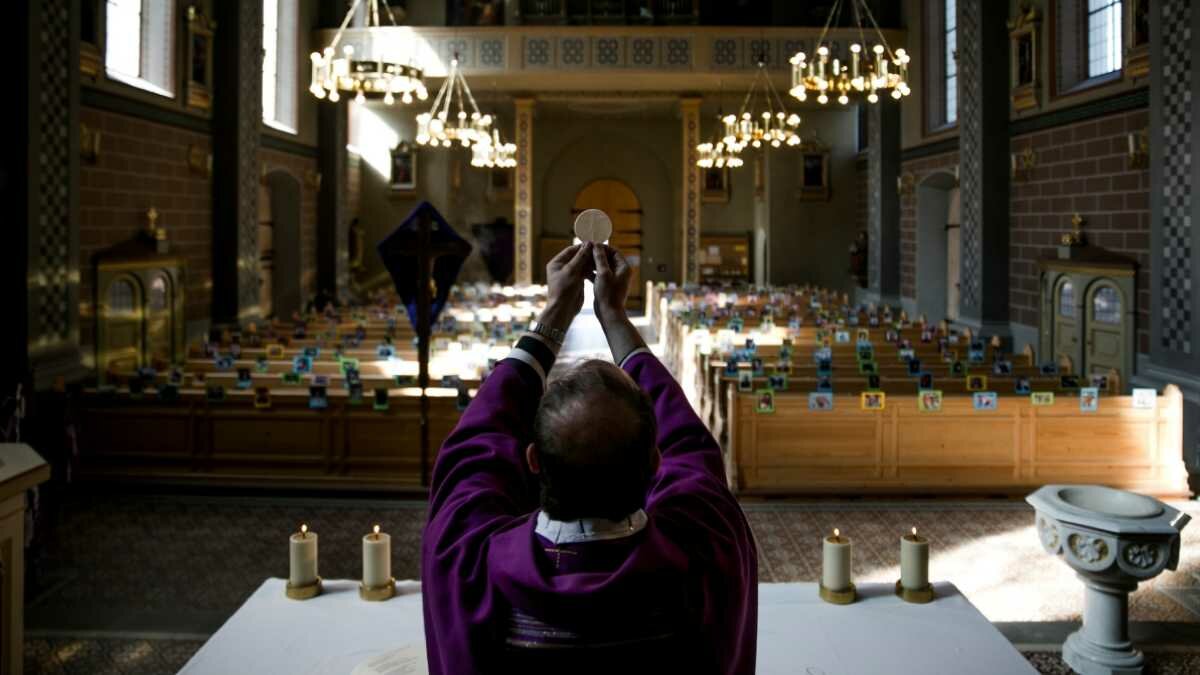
[762,120]
[868,73]
[376,76]
[494,153]
[717,154]
[436,128]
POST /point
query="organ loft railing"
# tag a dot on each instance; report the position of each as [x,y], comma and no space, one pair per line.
[608,12]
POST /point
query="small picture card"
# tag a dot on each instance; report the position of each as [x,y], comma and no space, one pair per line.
[1022,386]
[873,400]
[381,399]
[731,366]
[299,332]
[1145,399]
[824,367]
[958,368]
[821,337]
[355,393]
[914,366]
[750,346]
[1099,381]
[949,356]
[975,355]
[1068,382]
[317,398]
[977,346]
[404,380]
[352,377]
[785,353]
[1089,399]
[243,378]
[320,380]
[261,365]
[777,382]
[275,352]
[1042,398]
[985,400]
[463,399]
[1002,368]
[214,392]
[853,320]
[783,368]
[176,376]
[745,381]
[825,383]
[891,336]
[976,382]
[929,400]
[820,400]
[823,353]
[262,398]
[312,352]
[863,336]
[926,336]
[865,353]
[873,321]
[842,337]
[757,366]
[793,324]
[1049,369]
[907,355]
[868,368]
[764,401]
[168,393]
[223,363]
[302,364]
[873,383]
[292,378]
[349,364]
[925,381]
[235,350]
[952,339]
[198,378]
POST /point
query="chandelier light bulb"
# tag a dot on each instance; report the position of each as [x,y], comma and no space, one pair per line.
[822,99]
[333,96]
[823,51]
[872,98]
[843,99]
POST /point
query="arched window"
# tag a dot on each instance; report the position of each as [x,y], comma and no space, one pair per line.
[1066,300]
[1106,305]
[121,297]
[158,294]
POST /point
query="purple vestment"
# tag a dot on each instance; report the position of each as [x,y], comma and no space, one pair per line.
[482,562]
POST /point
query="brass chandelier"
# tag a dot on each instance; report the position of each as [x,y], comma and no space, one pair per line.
[436,128]
[362,77]
[869,73]
[494,153]
[763,119]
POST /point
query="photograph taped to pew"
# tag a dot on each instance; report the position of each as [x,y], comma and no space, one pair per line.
[985,400]
[820,400]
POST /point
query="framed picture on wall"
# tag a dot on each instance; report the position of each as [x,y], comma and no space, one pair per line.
[200,59]
[500,184]
[1137,32]
[714,185]
[814,172]
[404,169]
[1023,38]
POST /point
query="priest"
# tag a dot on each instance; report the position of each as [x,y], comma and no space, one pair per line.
[585,525]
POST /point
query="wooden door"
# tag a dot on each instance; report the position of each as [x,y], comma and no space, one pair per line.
[160,321]
[621,204]
[121,347]
[953,271]
[1066,321]
[1106,338]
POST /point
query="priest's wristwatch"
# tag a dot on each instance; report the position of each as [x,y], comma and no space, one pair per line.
[549,332]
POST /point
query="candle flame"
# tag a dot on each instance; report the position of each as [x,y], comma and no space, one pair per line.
[376,530]
[837,532]
[303,530]
[914,531]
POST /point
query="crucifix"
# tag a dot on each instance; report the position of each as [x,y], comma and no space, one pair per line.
[420,242]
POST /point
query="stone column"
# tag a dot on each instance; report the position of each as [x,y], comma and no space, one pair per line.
[333,208]
[883,202]
[689,231]
[1174,212]
[237,130]
[523,204]
[984,163]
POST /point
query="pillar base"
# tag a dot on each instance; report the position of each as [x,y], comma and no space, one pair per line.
[1087,658]
[1101,646]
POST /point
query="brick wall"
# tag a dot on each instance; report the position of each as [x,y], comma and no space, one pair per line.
[301,168]
[143,164]
[919,169]
[1080,168]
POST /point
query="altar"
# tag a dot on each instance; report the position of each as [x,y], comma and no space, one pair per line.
[336,632]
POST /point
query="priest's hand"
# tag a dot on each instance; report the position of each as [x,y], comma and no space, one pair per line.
[565,274]
[613,275]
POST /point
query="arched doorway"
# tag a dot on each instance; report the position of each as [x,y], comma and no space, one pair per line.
[285,290]
[937,257]
[619,201]
[1106,330]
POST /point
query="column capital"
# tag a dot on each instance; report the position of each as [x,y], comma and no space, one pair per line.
[524,102]
[690,102]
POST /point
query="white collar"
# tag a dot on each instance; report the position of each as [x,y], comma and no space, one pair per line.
[589,529]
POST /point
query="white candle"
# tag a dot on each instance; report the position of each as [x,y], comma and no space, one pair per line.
[835,568]
[377,559]
[302,556]
[914,561]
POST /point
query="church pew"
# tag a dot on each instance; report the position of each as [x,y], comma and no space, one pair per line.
[1013,449]
[345,446]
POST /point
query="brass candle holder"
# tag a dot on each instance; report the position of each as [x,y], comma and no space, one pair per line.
[842,597]
[303,592]
[377,593]
[918,596]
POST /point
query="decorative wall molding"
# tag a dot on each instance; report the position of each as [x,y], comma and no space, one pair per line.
[101,99]
[1133,100]
[689,235]
[273,142]
[523,204]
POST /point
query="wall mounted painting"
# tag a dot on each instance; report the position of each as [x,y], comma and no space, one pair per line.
[403,178]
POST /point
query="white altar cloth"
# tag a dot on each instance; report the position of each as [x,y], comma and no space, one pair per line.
[797,633]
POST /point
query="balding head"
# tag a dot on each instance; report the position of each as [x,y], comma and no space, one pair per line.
[594,444]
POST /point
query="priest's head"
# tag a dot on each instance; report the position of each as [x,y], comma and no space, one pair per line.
[593,447]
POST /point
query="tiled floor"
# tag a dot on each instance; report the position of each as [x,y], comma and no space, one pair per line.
[181,565]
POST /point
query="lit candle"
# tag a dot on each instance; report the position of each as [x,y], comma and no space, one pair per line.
[302,557]
[835,568]
[914,561]
[377,559]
